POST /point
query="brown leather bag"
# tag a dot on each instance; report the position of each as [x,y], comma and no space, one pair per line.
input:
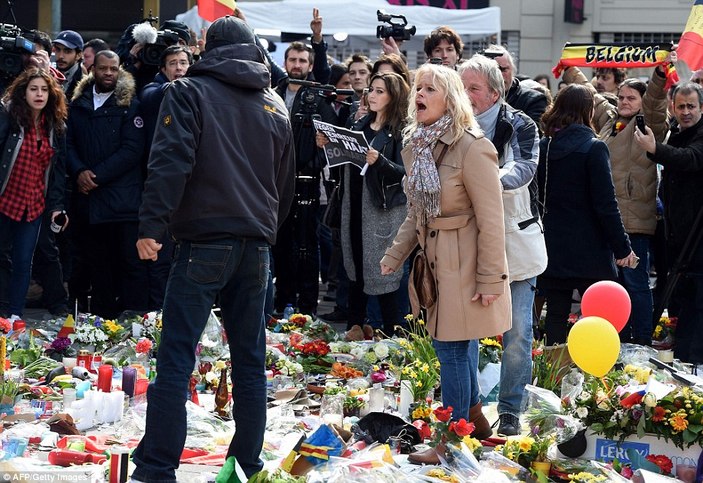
[423,283]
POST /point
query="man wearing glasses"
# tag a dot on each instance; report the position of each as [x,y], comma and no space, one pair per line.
[174,64]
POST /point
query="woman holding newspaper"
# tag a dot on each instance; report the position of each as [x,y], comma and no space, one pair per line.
[373,204]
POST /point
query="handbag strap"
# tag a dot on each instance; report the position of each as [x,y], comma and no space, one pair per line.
[441,155]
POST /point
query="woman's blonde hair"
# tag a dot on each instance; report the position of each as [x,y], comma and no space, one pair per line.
[448,83]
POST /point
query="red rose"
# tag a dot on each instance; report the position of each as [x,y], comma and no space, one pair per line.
[423,428]
[443,414]
[462,427]
[632,399]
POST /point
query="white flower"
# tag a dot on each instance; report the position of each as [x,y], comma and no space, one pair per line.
[649,400]
[584,396]
[381,350]
[582,413]
[206,342]
[358,351]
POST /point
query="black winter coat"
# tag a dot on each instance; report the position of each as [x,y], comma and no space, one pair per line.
[110,142]
[682,184]
[582,225]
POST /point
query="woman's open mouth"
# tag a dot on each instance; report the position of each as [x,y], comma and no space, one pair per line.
[421,106]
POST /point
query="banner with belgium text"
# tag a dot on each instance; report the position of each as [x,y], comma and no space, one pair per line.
[616,55]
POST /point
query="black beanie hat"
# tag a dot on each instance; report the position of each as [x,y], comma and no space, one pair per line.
[179,27]
[227,31]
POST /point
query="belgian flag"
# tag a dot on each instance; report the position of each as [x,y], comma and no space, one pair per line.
[691,44]
[211,10]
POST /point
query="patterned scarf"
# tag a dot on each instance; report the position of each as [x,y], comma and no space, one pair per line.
[423,182]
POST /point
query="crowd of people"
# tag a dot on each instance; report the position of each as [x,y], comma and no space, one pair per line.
[197,178]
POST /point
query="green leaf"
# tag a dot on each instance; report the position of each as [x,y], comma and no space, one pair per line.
[639,462]
[640,427]
[597,427]
[696,428]
[689,436]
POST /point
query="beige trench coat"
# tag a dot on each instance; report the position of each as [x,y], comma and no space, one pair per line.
[465,245]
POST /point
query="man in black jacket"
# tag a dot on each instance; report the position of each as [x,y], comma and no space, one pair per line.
[221,181]
[296,255]
[682,185]
[105,141]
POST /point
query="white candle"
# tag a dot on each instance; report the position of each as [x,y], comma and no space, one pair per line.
[666,356]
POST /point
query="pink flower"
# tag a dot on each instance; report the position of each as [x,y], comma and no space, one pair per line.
[143,346]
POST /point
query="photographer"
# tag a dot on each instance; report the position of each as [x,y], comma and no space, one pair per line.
[141,46]
[296,253]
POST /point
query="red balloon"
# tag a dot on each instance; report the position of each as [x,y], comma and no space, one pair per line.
[608,300]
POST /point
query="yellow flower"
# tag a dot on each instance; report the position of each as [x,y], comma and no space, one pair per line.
[420,322]
[678,421]
[472,443]
[219,365]
[491,342]
[526,443]
[425,368]
[418,384]
[409,317]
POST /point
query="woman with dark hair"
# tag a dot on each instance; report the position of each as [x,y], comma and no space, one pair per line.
[373,205]
[582,226]
[544,80]
[635,180]
[32,173]
[391,63]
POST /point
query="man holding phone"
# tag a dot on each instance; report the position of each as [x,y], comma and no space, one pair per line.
[682,184]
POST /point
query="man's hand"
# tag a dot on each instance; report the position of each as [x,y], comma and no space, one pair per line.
[134,53]
[321,140]
[386,270]
[148,249]
[40,59]
[390,46]
[239,14]
[316,26]
[646,141]
[85,181]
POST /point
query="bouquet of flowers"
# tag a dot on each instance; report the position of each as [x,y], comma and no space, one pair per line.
[447,431]
[89,334]
[422,377]
[489,351]
[526,449]
[663,335]
[313,356]
[114,331]
[59,348]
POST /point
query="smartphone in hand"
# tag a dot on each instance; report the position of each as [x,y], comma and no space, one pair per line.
[639,120]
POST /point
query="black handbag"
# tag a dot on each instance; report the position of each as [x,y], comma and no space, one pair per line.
[332,218]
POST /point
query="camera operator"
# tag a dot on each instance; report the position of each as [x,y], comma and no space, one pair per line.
[139,43]
[24,59]
[296,254]
[68,48]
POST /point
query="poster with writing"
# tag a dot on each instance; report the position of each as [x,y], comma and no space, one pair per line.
[345,146]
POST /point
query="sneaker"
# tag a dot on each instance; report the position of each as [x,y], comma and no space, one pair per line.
[336,316]
[509,425]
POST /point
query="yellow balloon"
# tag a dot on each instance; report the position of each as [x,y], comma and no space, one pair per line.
[594,345]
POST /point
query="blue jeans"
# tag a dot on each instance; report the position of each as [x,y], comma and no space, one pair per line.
[17,242]
[237,270]
[516,365]
[636,281]
[458,370]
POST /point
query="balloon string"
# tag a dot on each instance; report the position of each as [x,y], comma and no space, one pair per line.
[605,384]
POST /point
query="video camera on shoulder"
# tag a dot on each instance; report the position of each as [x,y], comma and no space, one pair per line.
[490,53]
[13,45]
[151,53]
[399,31]
[312,90]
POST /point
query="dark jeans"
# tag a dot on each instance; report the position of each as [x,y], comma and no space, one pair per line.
[297,259]
[47,267]
[119,279]
[636,282]
[237,271]
[558,293]
[689,330]
[17,242]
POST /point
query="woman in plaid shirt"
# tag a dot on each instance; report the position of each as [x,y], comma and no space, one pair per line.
[32,176]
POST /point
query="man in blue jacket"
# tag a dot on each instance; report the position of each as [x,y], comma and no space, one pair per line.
[221,180]
[105,141]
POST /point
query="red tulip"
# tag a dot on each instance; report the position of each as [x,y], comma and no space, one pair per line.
[423,428]
[443,414]
[462,427]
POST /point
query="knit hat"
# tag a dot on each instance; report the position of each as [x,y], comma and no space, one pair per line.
[228,30]
[179,27]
